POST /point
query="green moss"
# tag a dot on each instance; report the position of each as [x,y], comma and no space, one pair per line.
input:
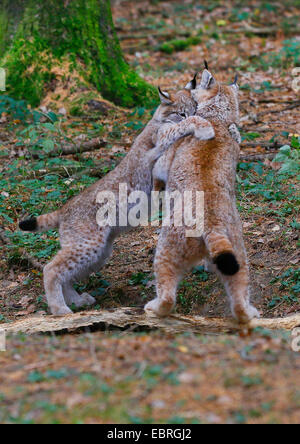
[81,32]
[179,45]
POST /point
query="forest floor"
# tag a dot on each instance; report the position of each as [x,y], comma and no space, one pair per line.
[151,376]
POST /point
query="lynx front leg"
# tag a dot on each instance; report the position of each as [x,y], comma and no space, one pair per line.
[69,265]
[170,133]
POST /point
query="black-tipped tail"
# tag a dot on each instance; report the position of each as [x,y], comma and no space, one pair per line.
[29,224]
[227,264]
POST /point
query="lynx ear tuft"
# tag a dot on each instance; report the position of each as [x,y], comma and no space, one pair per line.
[165,97]
[205,65]
[193,83]
[207,80]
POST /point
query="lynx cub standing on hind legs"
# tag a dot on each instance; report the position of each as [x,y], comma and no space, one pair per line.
[210,167]
[85,246]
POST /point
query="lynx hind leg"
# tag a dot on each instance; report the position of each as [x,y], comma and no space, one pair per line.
[237,288]
[69,265]
[168,271]
[55,274]
[238,291]
[209,267]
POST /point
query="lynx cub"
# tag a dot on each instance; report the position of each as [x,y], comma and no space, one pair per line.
[210,167]
[85,247]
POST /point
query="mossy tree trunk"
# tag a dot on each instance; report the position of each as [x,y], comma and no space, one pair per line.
[81,32]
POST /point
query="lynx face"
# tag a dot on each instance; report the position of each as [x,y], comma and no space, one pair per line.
[217,101]
[176,107]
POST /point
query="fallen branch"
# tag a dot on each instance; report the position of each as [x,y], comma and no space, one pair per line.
[266,130]
[31,260]
[127,317]
[66,149]
[274,111]
[258,157]
[263,144]
[133,35]
[274,30]
[256,117]
[76,148]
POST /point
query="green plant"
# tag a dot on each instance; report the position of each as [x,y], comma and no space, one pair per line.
[139,279]
[42,138]
[289,156]
[179,45]
[290,283]
[17,109]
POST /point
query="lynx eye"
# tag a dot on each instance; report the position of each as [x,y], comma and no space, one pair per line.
[183,115]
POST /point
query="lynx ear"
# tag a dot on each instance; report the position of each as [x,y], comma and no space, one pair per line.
[164,97]
[192,84]
[207,80]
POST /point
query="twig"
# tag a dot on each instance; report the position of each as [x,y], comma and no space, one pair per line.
[293,105]
[281,102]
[263,144]
[258,157]
[265,130]
[261,31]
[31,260]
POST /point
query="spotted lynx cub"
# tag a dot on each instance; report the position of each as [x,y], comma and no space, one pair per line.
[208,166]
[85,247]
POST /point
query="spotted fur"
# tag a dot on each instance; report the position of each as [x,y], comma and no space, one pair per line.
[208,166]
[85,247]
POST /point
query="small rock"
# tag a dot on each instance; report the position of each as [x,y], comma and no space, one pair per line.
[186,378]
[158,404]
[62,111]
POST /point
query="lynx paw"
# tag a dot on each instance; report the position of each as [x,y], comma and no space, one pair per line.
[235,134]
[85,300]
[89,300]
[205,132]
[161,308]
[61,311]
[245,315]
[253,312]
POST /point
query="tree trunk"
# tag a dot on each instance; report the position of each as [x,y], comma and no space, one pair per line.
[76,33]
